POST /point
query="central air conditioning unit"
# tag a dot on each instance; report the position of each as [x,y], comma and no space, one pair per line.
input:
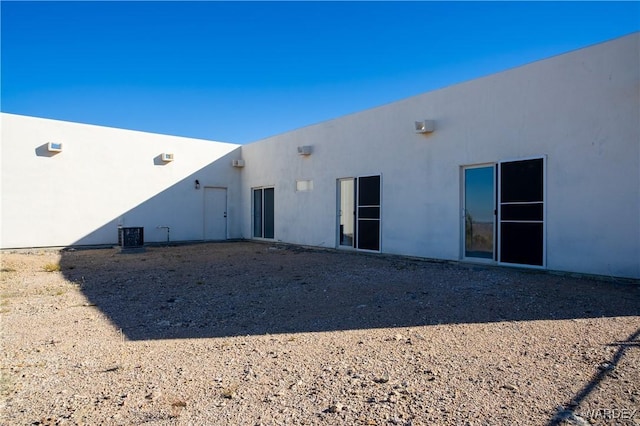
[237,163]
[166,157]
[305,150]
[130,237]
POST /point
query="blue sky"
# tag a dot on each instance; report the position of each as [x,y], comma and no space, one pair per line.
[242,71]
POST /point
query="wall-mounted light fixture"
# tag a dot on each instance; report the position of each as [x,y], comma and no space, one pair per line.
[425,126]
[305,150]
[166,157]
[237,163]
[54,146]
[197,184]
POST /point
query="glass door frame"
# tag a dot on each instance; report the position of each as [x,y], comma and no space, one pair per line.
[340,213]
[500,204]
[463,231]
[497,218]
[356,218]
[262,213]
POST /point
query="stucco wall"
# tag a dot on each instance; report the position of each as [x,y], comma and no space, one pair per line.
[580,110]
[103,178]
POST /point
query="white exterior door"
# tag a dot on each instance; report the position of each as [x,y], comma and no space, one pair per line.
[215,213]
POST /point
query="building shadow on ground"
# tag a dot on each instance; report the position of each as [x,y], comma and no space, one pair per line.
[242,288]
[573,413]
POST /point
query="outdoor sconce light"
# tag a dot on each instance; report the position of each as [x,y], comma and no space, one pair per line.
[197,184]
[54,147]
[426,126]
[305,150]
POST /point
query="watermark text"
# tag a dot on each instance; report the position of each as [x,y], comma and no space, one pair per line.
[610,414]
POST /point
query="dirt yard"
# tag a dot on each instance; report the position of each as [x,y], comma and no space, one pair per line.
[256,334]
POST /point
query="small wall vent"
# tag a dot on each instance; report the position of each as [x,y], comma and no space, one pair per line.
[237,163]
[166,157]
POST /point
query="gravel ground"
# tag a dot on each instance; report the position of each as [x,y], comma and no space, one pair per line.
[246,333]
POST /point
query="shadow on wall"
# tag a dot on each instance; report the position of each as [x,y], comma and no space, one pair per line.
[159,161]
[44,151]
[245,288]
[179,207]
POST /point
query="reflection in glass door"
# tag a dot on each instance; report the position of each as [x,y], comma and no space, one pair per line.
[479,212]
[347,212]
[359,212]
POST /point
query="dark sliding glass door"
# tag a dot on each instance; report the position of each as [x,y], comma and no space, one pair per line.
[263,213]
[359,212]
[503,207]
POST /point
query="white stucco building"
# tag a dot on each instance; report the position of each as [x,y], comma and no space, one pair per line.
[537,166]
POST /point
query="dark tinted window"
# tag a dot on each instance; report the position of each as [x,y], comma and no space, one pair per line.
[521,181]
[369,191]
